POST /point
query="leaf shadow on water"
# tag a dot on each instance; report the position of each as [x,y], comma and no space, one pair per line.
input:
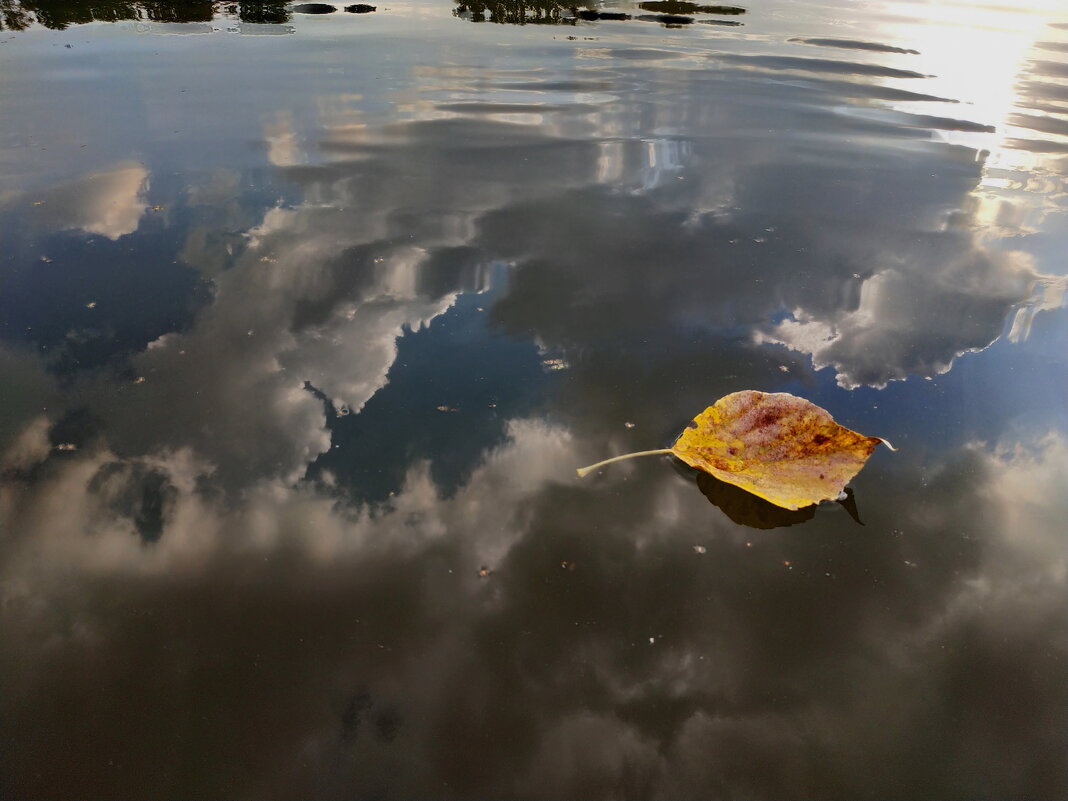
[746,509]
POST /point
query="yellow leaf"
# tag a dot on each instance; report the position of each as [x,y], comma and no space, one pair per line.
[777,446]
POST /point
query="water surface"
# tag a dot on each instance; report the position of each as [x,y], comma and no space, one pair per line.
[308,315]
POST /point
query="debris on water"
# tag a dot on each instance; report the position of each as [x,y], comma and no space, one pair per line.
[91,304]
[699,549]
[66,446]
[446,408]
[39,202]
[555,364]
[157,208]
[139,380]
[784,368]
[628,425]
[46,260]
[485,572]
[342,411]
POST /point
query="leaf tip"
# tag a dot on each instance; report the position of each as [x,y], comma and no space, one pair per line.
[886,442]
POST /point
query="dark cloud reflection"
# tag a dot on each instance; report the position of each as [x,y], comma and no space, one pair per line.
[824,664]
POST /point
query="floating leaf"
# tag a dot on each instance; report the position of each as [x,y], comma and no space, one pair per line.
[777,446]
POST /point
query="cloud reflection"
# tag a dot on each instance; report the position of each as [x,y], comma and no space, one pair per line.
[110,202]
[598,618]
[215,622]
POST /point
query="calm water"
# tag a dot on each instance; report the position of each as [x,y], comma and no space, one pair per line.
[307,319]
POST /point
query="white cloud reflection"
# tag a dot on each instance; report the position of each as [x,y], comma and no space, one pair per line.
[109,202]
[912,319]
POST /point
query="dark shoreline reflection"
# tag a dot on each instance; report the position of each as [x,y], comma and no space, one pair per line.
[674,13]
[19,15]
[675,7]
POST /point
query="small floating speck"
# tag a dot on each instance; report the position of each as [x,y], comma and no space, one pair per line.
[66,446]
[446,408]
[485,572]
[628,425]
[699,549]
[555,364]
[91,304]
[139,380]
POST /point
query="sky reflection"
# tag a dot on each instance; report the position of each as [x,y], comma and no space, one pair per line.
[298,367]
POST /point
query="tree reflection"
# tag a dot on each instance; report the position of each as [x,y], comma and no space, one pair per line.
[263,13]
[673,13]
[518,12]
[13,16]
[60,14]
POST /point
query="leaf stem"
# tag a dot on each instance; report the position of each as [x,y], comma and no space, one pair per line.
[583,471]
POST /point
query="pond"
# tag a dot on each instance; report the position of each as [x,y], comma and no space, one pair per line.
[309,313]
